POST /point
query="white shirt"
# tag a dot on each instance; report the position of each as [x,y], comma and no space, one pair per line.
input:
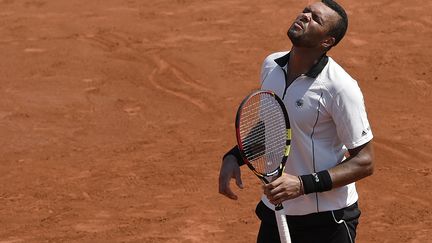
[327,116]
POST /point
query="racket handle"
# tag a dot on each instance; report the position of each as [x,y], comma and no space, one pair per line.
[284,234]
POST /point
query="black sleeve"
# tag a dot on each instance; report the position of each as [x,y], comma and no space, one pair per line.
[236,152]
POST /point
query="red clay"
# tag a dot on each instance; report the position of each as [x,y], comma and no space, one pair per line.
[114,116]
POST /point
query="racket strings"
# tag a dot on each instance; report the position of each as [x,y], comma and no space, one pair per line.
[262,132]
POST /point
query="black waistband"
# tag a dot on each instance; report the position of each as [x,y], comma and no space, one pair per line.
[310,220]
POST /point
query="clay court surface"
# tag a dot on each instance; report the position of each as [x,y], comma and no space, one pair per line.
[114,116]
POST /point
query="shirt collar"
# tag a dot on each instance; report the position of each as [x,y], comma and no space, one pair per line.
[313,72]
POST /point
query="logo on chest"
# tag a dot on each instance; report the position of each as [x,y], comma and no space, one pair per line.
[299,103]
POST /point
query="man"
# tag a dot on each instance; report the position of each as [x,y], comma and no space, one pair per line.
[331,145]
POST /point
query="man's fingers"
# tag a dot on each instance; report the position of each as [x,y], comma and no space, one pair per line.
[230,194]
[225,189]
[237,176]
[276,190]
[276,182]
[267,189]
[229,170]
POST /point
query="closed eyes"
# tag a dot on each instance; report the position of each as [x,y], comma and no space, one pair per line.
[315,17]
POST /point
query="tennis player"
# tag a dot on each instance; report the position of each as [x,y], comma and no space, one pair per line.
[331,145]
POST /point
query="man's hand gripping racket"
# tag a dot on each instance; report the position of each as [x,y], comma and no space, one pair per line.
[263,137]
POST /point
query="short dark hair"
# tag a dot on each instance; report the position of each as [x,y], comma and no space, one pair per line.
[338,31]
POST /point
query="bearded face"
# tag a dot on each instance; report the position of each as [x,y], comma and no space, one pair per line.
[312,26]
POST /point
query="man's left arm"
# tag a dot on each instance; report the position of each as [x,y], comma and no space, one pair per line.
[358,165]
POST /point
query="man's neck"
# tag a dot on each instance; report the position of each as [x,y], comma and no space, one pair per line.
[303,59]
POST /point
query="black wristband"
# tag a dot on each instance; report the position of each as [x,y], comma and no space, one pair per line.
[317,182]
[236,152]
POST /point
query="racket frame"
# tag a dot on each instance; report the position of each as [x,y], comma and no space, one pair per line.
[282,224]
[281,167]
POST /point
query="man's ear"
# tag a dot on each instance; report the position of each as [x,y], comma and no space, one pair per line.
[328,42]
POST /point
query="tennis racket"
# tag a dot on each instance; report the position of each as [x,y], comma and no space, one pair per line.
[263,138]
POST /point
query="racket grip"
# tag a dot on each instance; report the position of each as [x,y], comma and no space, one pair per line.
[284,234]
